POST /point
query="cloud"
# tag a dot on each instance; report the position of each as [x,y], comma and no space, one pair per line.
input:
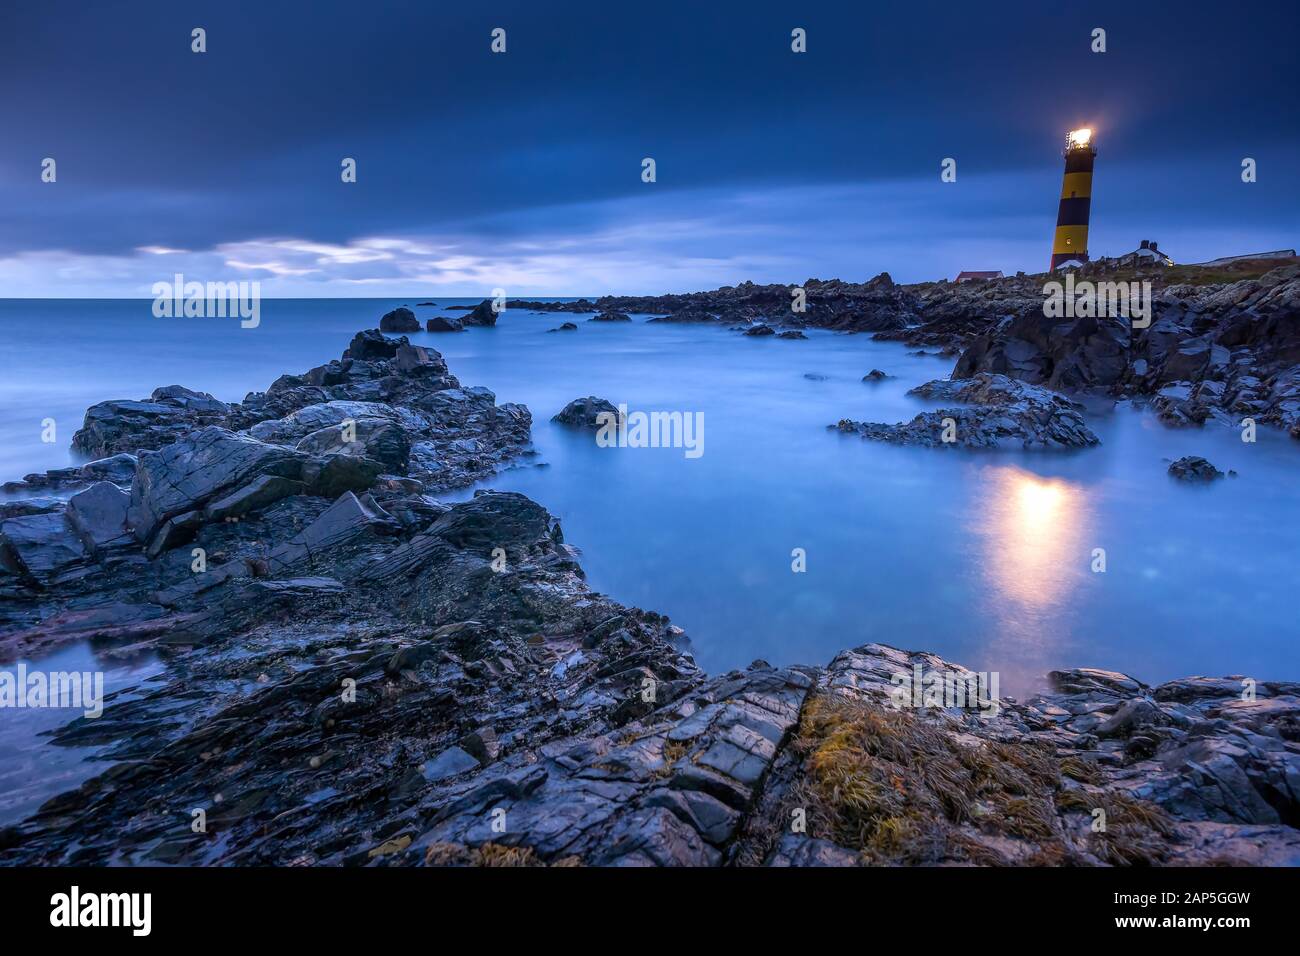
[669,240]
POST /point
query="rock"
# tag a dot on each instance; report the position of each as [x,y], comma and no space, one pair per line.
[482,745]
[759,330]
[333,475]
[791,334]
[449,763]
[98,515]
[797,850]
[1007,414]
[482,314]
[371,344]
[415,360]
[399,320]
[564,327]
[45,546]
[186,475]
[119,469]
[444,323]
[875,375]
[586,412]
[257,494]
[189,399]
[380,439]
[1193,468]
[688,315]
[116,427]
[611,317]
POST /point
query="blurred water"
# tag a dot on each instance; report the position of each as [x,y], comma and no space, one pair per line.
[982,557]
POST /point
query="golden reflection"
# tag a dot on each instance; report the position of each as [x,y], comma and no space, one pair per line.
[1033,529]
[1033,562]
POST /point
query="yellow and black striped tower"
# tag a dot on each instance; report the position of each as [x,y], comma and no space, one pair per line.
[1071,239]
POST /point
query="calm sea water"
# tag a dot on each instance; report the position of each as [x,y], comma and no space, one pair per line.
[984,558]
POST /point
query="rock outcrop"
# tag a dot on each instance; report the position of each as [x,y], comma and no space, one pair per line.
[1194,469]
[400,319]
[1001,413]
[444,323]
[589,412]
[388,418]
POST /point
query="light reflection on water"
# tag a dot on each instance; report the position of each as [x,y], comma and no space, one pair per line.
[1033,531]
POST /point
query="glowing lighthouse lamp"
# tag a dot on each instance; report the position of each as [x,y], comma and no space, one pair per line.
[1070,244]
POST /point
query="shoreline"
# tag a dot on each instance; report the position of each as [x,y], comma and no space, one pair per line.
[486,676]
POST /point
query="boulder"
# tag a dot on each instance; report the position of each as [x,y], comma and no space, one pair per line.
[371,344]
[185,476]
[257,494]
[399,320]
[589,412]
[444,323]
[1194,469]
[760,330]
[98,514]
[1007,414]
[482,314]
[377,438]
[45,546]
[611,317]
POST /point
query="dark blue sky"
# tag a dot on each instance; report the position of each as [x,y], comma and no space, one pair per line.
[522,170]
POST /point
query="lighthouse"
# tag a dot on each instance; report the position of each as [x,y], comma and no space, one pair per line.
[1070,244]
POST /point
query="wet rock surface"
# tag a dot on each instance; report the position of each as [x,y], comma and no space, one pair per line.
[1194,772]
[444,323]
[392,424]
[399,320]
[1001,412]
[1194,469]
[590,412]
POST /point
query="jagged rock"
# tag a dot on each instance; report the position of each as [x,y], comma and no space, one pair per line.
[611,317]
[444,323]
[688,315]
[98,515]
[371,344]
[586,412]
[45,546]
[759,330]
[119,469]
[482,314]
[399,320]
[262,491]
[1008,414]
[1193,468]
[791,334]
[875,375]
[185,476]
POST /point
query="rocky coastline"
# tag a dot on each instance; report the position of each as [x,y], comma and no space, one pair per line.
[1221,345]
[357,673]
